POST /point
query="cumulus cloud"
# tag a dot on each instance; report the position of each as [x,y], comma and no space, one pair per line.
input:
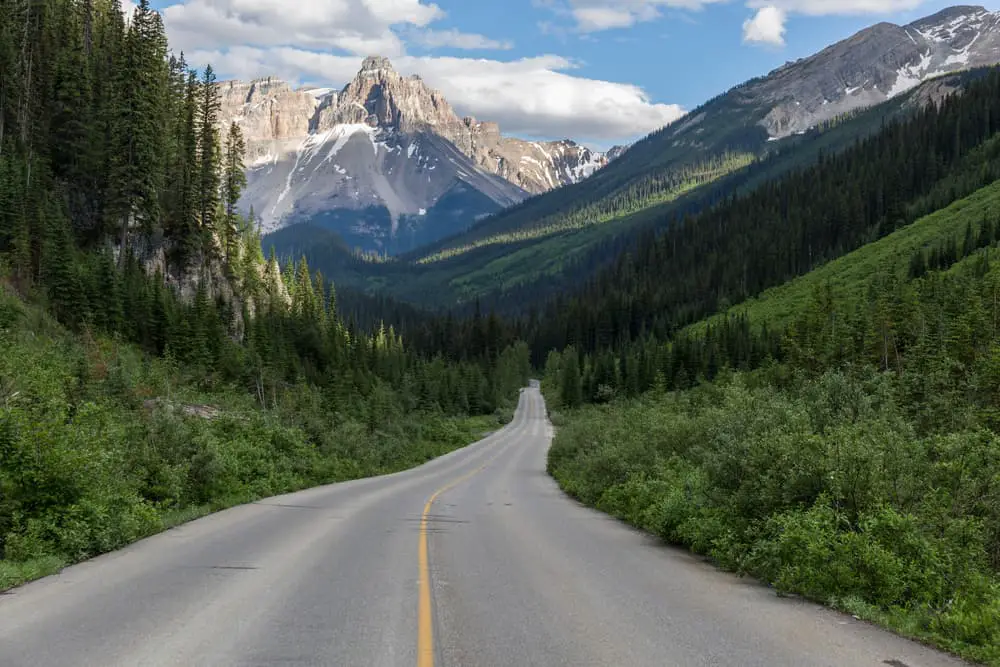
[357,26]
[766,27]
[533,97]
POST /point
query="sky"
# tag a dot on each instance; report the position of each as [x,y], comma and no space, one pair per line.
[602,72]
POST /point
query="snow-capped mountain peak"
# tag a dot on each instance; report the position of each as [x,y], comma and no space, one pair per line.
[376,159]
[876,64]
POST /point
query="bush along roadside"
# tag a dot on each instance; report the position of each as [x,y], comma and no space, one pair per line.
[102,444]
[820,486]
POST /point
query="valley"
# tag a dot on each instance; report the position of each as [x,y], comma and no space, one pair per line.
[313,370]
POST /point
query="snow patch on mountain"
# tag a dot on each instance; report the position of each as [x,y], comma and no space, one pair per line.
[877,64]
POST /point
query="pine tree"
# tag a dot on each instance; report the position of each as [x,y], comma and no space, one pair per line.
[571,383]
[234,180]
[138,168]
[208,182]
[73,134]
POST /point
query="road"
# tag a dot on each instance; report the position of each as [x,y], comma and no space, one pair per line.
[500,569]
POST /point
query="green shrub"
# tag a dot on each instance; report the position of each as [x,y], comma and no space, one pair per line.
[822,488]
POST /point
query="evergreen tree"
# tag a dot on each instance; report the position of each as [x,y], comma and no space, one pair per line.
[571,382]
[234,180]
[209,158]
[137,160]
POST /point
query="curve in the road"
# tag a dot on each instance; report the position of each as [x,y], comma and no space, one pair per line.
[510,572]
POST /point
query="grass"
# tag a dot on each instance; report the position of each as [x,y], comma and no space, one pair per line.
[17,574]
[601,215]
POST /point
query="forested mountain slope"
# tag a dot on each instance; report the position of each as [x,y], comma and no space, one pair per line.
[788,226]
[836,436]
[529,268]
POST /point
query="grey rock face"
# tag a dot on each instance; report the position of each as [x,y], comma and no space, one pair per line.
[387,143]
[615,152]
[874,65]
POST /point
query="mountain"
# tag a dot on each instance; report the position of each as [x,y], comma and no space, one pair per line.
[385,162]
[518,269]
[758,118]
[874,65]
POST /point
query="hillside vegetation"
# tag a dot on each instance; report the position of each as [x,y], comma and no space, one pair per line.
[836,437]
[554,243]
[944,232]
[102,444]
[784,228]
[153,365]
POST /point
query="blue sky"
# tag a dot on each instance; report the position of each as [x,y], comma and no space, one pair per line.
[598,71]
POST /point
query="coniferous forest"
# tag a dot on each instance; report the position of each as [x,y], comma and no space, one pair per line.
[836,436]
[154,364]
[800,380]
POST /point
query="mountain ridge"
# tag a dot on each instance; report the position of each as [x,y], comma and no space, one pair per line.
[384,148]
[766,113]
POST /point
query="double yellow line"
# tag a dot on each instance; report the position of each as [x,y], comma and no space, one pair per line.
[425,614]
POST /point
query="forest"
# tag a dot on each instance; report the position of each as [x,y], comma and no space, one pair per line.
[835,436]
[704,262]
[154,365]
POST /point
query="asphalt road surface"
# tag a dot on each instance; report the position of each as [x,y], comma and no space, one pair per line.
[475,559]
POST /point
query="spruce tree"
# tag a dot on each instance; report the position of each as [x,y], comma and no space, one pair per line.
[234,180]
[138,168]
[208,182]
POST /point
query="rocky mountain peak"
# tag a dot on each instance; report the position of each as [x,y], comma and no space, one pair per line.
[385,160]
[373,65]
[876,64]
[378,96]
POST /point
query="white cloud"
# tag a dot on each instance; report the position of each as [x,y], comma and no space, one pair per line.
[603,18]
[461,40]
[532,97]
[766,27]
[357,26]
[597,15]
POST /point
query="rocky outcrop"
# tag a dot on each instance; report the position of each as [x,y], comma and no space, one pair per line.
[272,114]
[269,112]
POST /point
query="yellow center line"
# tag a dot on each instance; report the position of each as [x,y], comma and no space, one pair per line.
[425,620]
[425,615]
